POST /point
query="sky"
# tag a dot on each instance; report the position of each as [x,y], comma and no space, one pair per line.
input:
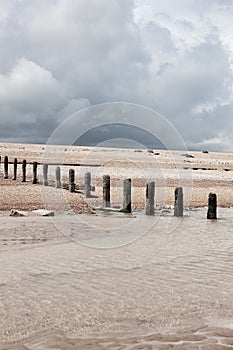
[173,56]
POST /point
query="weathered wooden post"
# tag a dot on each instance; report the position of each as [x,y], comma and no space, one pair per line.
[127,196]
[45,174]
[212,207]
[58,177]
[34,179]
[71,180]
[6,167]
[24,165]
[87,188]
[15,169]
[178,208]
[150,195]
[106,191]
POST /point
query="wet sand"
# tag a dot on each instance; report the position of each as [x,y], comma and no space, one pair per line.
[204,338]
[61,290]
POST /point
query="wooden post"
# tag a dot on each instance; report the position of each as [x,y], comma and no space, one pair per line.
[71,180]
[45,174]
[24,165]
[178,209]
[6,167]
[150,194]
[87,188]
[127,196]
[58,177]
[34,180]
[106,191]
[212,207]
[15,169]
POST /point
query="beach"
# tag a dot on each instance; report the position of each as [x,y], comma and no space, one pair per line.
[197,172]
[87,279]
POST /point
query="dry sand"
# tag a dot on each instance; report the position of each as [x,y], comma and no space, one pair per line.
[169,289]
[198,173]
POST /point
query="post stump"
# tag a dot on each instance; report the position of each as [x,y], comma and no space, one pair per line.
[71,180]
[87,188]
[58,177]
[106,191]
[150,194]
[6,167]
[34,179]
[212,207]
[45,174]
[15,169]
[178,208]
[127,196]
[24,165]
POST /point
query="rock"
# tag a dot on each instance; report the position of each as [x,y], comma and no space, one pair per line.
[188,155]
[108,209]
[15,212]
[43,212]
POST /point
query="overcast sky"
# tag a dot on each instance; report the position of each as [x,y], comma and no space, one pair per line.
[175,56]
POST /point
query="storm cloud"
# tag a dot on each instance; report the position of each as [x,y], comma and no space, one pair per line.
[174,56]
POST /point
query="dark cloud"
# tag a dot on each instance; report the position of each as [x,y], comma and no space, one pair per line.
[119,135]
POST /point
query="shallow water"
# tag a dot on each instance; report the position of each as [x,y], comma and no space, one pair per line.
[176,274]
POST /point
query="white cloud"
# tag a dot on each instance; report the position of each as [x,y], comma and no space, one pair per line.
[3,16]
[191,81]
[29,88]
[220,141]
[72,107]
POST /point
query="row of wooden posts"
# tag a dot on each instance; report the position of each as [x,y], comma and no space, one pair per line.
[150,189]
[34,178]
[15,165]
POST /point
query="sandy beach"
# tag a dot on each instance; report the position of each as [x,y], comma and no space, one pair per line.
[198,173]
[85,279]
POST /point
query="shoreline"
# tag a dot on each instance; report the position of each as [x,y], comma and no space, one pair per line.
[156,292]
